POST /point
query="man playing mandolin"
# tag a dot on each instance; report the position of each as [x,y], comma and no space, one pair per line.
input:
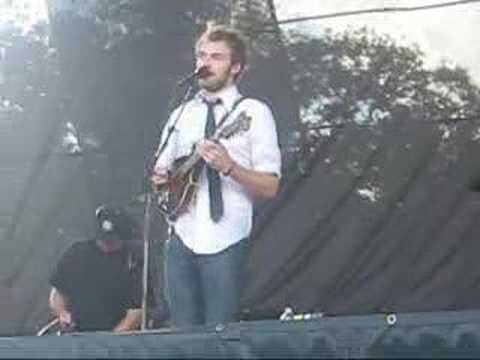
[205,254]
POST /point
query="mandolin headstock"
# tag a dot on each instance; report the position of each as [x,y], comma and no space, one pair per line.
[239,125]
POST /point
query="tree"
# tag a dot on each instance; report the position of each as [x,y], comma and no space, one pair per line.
[366,78]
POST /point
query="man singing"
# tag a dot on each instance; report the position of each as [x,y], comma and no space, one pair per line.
[205,254]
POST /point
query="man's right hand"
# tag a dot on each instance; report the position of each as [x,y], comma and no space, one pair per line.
[159,179]
[58,305]
[66,320]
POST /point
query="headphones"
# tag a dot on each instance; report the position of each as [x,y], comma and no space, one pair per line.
[114,221]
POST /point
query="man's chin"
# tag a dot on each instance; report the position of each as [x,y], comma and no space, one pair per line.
[210,86]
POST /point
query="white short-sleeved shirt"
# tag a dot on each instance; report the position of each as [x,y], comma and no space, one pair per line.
[256,149]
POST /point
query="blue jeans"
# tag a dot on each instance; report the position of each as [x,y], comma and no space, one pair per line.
[202,289]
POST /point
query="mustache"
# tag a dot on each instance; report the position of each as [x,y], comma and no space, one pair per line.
[205,73]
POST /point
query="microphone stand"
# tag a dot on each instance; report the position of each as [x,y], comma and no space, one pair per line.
[149,198]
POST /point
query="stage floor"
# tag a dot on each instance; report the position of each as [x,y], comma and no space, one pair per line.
[436,334]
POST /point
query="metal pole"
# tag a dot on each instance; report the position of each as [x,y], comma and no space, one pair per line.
[146,258]
[148,206]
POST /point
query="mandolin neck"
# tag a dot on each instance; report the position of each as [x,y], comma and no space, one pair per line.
[188,165]
[192,160]
[241,123]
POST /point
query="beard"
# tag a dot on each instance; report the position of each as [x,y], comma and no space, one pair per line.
[213,82]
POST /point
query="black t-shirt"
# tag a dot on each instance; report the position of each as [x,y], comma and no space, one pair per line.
[99,286]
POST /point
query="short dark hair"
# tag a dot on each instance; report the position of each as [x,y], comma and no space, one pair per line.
[231,37]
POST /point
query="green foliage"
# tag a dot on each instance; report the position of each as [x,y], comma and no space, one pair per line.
[29,68]
[364,77]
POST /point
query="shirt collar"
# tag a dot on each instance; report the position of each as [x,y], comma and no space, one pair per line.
[228,96]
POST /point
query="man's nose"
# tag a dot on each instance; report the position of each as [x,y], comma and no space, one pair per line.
[204,61]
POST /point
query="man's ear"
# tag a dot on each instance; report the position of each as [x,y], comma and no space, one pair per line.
[236,69]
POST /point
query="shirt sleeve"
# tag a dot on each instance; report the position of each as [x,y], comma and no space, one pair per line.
[168,155]
[65,271]
[266,156]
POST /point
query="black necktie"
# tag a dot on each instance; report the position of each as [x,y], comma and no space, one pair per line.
[214,181]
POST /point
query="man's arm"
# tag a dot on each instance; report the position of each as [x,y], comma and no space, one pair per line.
[166,156]
[131,321]
[58,305]
[257,183]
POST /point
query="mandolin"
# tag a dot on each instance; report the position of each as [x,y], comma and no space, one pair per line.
[174,196]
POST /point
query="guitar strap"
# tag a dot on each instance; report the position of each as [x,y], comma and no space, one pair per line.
[227,115]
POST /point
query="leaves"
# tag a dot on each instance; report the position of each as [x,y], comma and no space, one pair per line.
[365,77]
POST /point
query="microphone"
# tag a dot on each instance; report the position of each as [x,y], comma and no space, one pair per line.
[198,73]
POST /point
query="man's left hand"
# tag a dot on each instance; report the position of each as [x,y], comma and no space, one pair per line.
[216,156]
